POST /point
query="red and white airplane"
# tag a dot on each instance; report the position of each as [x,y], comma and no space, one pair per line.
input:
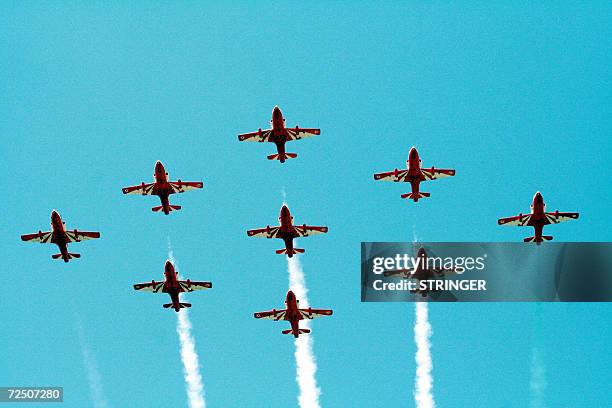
[287,232]
[60,237]
[173,286]
[421,271]
[537,219]
[163,188]
[279,135]
[293,314]
[414,174]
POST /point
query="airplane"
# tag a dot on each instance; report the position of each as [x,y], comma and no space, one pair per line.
[163,188]
[60,237]
[421,272]
[537,219]
[414,174]
[279,135]
[287,232]
[173,286]
[293,314]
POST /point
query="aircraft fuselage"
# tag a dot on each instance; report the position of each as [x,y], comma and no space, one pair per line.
[171,285]
[279,134]
[59,235]
[293,315]
[287,231]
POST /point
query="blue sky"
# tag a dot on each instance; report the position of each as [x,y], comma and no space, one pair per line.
[515,97]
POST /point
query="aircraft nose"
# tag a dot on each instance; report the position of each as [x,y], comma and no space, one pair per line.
[290,295]
[538,197]
[413,153]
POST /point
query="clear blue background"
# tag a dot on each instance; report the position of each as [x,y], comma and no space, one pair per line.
[516,98]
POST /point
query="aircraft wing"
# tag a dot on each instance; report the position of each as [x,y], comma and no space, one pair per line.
[403,272]
[154,287]
[182,186]
[297,133]
[41,237]
[312,313]
[259,136]
[190,286]
[76,235]
[306,230]
[268,232]
[557,217]
[144,189]
[271,314]
[518,220]
[395,176]
[433,173]
[444,271]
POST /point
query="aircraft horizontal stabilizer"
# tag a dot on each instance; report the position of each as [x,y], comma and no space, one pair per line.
[290,253]
[415,197]
[282,157]
[170,208]
[286,331]
[70,256]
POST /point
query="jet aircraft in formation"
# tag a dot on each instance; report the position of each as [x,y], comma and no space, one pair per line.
[173,287]
[414,174]
[279,135]
[287,232]
[293,314]
[60,237]
[537,219]
[163,188]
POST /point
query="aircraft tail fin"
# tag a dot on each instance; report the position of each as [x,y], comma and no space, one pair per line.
[170,208]
[181,305]
[290,253]
[415,197]
[538,241]
[282,157]
[70,256]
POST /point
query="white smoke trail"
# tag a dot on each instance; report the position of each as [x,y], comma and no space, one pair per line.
[191,365]
[537,382]
[189,356]
[93,375]
[305,361]
[423,383]
[284,195]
